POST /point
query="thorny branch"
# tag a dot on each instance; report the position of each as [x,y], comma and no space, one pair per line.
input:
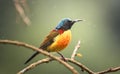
[54,58]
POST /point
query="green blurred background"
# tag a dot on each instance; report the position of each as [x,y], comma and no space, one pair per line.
[99,34]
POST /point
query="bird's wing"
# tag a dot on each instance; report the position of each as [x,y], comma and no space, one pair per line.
[49,39]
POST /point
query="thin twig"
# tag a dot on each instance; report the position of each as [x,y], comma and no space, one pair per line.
[33,65]
[75,50]
[72,69]
[109,70]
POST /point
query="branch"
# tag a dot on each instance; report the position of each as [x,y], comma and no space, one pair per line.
[54,58]
[40,51]
[75,50]
[83,67]
[109,70]
[33,65]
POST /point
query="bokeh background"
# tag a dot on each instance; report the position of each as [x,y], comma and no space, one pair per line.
[99,34]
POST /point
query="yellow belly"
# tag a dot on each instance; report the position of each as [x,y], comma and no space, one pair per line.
[60,42]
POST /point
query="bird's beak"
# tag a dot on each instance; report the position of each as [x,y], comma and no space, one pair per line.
[77,20]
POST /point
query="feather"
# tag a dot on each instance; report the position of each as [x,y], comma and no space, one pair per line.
[49,39]
[60,42]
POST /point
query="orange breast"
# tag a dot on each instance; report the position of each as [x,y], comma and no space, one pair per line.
[60,42]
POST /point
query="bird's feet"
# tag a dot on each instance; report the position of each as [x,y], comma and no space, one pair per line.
[63,58]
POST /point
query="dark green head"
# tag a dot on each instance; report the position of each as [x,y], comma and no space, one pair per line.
[66,24]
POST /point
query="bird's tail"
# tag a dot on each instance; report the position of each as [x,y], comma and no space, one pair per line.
[36,53]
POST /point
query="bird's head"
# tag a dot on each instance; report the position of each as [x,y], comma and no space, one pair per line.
[66,24]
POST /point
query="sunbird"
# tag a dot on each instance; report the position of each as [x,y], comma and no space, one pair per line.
[58,38]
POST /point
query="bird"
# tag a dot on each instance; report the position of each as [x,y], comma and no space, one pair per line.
[58,38]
